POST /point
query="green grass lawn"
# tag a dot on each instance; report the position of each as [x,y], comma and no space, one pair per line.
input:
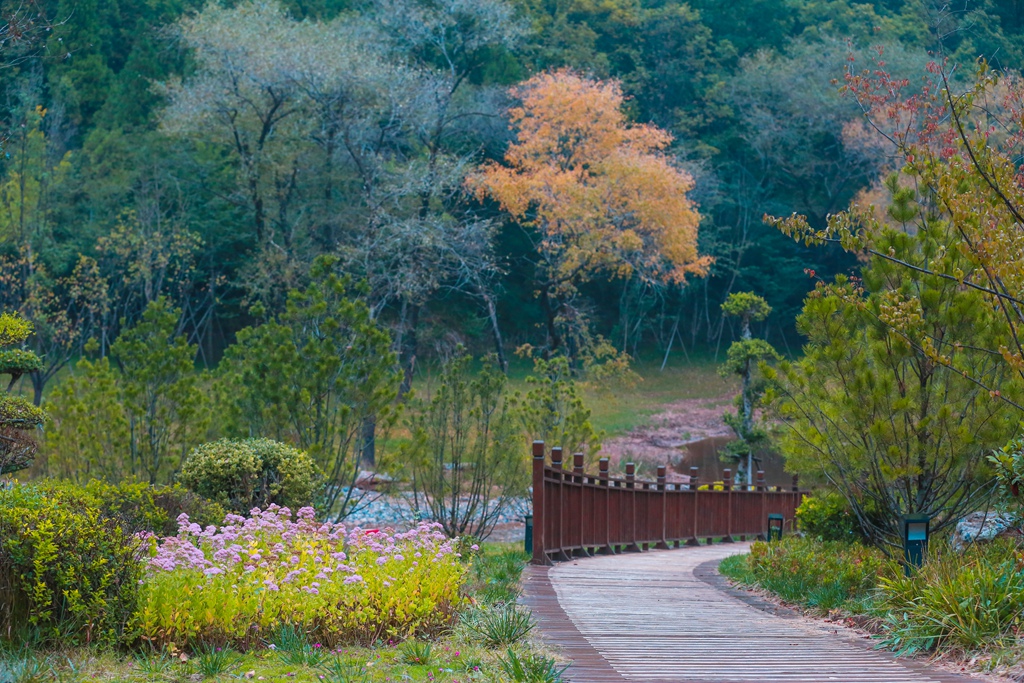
[622,409]
[619,408]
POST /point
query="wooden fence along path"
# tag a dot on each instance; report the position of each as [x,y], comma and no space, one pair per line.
[579,514]
[667,617]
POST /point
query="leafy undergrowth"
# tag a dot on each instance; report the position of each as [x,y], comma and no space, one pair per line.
[819,575]
[964,606]
[489,641]
[958,602]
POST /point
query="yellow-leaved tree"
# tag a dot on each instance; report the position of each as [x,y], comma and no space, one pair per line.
[595,193]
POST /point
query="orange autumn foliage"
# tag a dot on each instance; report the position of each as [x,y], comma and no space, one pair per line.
[601,193]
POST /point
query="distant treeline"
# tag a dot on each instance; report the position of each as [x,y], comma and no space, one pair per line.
[209,154]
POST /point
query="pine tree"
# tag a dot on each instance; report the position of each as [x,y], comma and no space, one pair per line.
[17,414]
[743,359]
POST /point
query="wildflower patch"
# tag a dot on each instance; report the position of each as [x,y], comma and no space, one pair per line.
[239,583]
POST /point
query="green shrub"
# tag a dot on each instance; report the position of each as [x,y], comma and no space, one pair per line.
[818,574]
[501,626]
[737,568]
[249,473]
[531,668]
[139,506]
[337,670]
[417,653]
[956,601]
[68,573]
[294,649]
[496,576]
[213,661]
[828,518]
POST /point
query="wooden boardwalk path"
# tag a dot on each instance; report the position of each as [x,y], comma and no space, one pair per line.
[667,616]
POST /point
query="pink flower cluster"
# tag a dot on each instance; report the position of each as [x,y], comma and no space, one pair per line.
[271,549]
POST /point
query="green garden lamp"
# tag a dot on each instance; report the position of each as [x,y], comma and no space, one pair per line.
[915,540]
[775,522]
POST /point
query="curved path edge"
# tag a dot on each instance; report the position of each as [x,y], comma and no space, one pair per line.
[588,666]
[560,616]
[709,574]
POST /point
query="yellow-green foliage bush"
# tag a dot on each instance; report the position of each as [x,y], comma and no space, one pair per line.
[828,517]
[139,506]
[818,574]
[238,584]
[68,573]
[251,473]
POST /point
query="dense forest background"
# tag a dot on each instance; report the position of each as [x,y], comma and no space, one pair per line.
[210,154]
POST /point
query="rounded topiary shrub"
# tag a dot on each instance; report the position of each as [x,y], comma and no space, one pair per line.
[246,473]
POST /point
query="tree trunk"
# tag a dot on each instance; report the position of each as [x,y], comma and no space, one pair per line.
[499,345]
[409,348]
[554,341]
[368,455]
[38,384]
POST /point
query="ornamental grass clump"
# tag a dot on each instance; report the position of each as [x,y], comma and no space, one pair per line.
[240,583]
[957,601]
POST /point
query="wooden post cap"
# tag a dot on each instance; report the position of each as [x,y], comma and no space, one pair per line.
[577,463]
[602,466]
[538,449]
[556,456]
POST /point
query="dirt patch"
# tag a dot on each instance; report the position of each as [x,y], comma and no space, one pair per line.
[663,438]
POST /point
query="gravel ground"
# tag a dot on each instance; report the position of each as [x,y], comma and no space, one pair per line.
[397,510]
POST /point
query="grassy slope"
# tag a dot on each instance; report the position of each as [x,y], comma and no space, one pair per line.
[620,408]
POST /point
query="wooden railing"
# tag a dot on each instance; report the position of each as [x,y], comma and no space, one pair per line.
[575,513]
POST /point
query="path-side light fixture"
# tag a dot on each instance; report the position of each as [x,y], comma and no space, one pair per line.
[775,522]
[528,535]
[915,540]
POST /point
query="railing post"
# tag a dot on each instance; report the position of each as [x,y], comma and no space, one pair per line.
[693,485]
[797,498]
[663,543]
[539,553]
[558,542]
[578,480]
[727,487]
[602,467]
[631,485]
[760,487]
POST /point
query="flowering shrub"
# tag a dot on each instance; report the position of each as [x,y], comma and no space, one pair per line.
[239,583]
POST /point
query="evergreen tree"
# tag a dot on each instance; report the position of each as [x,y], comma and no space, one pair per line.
[896,428]
[744,358]
[17,414]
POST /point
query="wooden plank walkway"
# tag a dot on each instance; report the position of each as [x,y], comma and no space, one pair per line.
[667,616]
